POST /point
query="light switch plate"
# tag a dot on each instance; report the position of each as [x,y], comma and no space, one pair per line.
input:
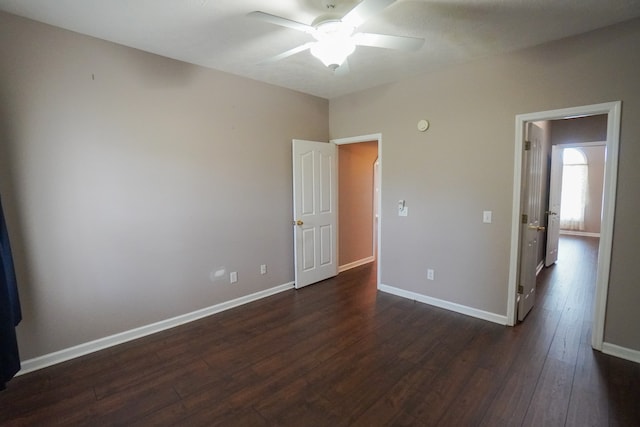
[486,217]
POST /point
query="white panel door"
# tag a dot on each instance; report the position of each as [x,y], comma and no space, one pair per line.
[315,189]
[530,228]
[553,214]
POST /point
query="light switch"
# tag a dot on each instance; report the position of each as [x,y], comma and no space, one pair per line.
[403,210]
[486,217]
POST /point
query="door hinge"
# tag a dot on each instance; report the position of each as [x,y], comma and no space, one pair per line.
[525,218]
[520,289]
[527,145]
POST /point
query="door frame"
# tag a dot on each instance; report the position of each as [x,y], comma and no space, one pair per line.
[613,112]
[555,189]
[367,138]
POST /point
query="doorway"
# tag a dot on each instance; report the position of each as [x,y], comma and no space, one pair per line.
[356,204]
[612,111]
[368,250]
[581,188]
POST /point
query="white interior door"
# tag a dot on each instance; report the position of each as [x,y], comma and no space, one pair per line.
[553,214]
[530,224]
[315,212]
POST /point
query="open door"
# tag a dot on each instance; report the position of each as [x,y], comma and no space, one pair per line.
[553,214]
[530,224]
[315,211]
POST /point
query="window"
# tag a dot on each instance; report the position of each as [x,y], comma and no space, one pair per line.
[575,172]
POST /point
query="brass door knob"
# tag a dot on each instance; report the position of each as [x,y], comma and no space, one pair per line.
[298,222]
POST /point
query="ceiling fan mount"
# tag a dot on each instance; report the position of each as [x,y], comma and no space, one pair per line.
[332,28]
[327,19]
[336,37]
[337,6]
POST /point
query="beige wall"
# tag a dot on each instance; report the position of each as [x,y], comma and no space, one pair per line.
[355,215]
[580,129]
[129,178]
[464,165]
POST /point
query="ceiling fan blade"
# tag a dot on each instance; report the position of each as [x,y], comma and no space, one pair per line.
[283,22]
[342,69]
[388,42]
[364,10]
[287,53]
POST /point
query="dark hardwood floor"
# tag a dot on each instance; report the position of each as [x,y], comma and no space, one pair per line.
[340,353]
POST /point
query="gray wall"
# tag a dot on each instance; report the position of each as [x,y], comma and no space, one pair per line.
[464,165]
[129,178]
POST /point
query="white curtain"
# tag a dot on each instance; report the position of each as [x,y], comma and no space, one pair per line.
[575,174]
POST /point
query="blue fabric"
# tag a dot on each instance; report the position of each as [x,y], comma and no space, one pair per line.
[10,313]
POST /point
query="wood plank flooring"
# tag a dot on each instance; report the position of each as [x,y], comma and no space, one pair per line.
[340,353]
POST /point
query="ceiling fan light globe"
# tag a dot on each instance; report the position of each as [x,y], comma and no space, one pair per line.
[332,53]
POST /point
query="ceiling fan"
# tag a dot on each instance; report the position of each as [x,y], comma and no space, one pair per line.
[336,38]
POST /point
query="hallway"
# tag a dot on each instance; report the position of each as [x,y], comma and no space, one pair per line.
[573,379]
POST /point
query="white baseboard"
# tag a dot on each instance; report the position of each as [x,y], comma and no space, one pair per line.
[621,352]
[579,233]
[452,306]
[539,267]
[122,337]
[355,264]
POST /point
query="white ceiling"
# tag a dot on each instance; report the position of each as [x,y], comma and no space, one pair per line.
[218,34]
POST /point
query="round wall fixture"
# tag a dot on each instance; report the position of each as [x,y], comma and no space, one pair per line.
[423,125]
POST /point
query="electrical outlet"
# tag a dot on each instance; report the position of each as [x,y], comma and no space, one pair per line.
[233,277]
[263,269]
[430,274]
